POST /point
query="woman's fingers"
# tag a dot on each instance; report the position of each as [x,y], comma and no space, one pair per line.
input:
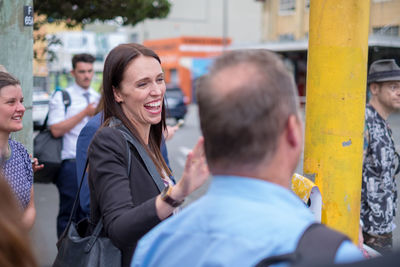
[36,166]
[198,150]
[189,161]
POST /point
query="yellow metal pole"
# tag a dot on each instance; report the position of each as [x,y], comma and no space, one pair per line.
[336,90]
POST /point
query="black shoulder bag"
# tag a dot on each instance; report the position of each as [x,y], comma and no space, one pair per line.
[77,249]
[47,149]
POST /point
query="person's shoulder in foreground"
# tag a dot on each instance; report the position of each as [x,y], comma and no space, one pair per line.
[232,225]
[248,213]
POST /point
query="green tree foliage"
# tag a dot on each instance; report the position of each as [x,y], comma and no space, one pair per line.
[76,12]
[80,12]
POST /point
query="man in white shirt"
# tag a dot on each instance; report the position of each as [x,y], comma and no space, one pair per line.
[67,123]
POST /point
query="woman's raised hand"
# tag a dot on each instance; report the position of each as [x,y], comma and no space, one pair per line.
[194,175]
[196,170]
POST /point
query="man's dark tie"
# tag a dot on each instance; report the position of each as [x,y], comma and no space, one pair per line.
[86,95]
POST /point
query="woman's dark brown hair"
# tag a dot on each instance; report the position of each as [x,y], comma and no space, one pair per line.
[115,65]
[15,247]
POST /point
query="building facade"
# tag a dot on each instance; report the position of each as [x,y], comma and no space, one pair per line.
[286,26]
[287,20]
[241,21]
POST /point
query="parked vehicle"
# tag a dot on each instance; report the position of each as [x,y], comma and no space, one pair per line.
[176,103]
[40,107]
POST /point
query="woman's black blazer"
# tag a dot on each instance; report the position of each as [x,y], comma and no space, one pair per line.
[126,203]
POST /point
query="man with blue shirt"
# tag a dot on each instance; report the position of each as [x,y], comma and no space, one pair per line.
[253,138]
[67,123]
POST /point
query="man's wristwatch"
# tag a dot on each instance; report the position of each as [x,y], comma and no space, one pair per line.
[166,196]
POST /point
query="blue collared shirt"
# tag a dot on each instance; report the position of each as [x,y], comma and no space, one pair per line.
[238,222]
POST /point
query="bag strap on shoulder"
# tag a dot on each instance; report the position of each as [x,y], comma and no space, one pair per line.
[66,101]
[318,244]
[143,154]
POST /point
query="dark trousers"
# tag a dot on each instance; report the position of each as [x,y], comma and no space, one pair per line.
[381,243]
[67,188]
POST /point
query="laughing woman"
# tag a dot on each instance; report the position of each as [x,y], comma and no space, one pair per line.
[125,192]
[17,165]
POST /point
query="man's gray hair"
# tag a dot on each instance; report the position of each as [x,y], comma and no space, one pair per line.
[241,125]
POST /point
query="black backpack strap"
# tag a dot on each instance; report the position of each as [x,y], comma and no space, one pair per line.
[318,244]
[66,101]
[289,257]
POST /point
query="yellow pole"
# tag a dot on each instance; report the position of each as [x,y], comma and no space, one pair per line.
[336,90]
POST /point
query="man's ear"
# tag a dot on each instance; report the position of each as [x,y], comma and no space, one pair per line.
[374,88]
[294,131]
[117,95]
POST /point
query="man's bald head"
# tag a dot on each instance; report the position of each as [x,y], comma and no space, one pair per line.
[235,77]
[244,103]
